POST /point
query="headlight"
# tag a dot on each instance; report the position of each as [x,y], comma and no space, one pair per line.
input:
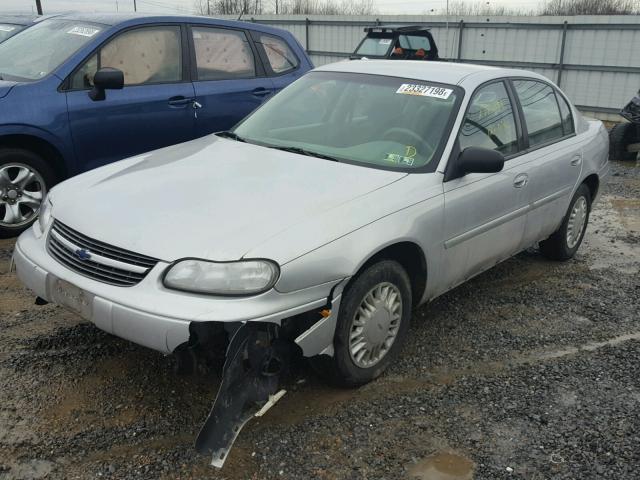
[44,217]
[244,277]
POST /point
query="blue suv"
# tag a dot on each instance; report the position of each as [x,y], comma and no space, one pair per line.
[80,91]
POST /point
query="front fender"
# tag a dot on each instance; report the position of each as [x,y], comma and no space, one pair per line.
[419,224]
[62,146]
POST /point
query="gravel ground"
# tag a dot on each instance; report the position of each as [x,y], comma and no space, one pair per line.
[531,370]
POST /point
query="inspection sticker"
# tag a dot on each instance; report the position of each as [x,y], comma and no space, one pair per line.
[424,90]
[7,28]
[84,31]
[384,41]
[400,159]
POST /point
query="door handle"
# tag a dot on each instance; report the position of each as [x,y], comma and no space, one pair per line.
[180,101]
[577,160]
[261,92]
[521,180]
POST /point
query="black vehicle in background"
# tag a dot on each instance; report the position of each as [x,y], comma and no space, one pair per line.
[624,138]
[397,42]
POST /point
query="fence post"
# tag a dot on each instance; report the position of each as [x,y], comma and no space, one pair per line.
[307,22]
[561,62]
[461,28]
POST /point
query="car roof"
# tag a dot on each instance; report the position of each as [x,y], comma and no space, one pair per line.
[114,19]
[18,19]
[464,74]
[397,28]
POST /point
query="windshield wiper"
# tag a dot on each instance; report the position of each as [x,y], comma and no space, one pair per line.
[304,151]
[231,135]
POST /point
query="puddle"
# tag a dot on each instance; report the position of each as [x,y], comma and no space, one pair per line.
[443,466]
[31,470]
[611,222]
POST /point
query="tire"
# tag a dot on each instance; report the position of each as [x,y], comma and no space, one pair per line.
[20,201]
[561,246]
[343,368]
[621,136]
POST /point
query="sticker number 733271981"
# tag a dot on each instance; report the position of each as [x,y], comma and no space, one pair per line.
[424,90]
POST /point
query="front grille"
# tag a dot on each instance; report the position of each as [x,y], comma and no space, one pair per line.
[95,259]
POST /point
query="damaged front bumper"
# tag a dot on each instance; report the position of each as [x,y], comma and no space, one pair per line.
[262,329]
[159,318]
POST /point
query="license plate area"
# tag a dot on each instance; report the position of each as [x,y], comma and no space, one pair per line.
[73,298]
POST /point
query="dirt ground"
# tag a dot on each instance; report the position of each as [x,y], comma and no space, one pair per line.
[531,370]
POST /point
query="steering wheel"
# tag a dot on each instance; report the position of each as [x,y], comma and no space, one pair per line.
[408,137]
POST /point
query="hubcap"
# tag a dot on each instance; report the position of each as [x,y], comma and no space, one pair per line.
[21,192]
[375,325]
[577,222]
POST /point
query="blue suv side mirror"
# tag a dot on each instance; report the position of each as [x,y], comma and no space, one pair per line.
[106,79]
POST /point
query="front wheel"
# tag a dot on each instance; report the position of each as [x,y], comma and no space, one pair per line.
[564,242]
[24,181]
[372,325]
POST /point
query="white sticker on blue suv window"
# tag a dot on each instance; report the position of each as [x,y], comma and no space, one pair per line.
[84,31]
[7,28]
[424,90]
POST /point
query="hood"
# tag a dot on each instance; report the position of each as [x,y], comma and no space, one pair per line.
[209,198]
[5,87]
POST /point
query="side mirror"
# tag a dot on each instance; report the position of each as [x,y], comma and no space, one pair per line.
[106,79]
[479,160]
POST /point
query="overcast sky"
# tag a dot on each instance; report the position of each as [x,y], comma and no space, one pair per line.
[186,6]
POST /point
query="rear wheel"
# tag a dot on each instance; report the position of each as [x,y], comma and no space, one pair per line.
[25,179]
[620,137]
[565,241]
[372,325]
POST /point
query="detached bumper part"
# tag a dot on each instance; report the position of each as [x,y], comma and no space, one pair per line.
[255,363]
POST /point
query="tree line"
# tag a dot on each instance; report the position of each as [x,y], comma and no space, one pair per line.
[456,8]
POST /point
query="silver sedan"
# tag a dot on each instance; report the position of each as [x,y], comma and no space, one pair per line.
[358,193]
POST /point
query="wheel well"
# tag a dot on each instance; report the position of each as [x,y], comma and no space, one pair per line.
[41,147]
[412,259]
[593,183]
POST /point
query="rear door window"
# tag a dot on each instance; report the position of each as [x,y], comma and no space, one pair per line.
[222,54]
[541,111]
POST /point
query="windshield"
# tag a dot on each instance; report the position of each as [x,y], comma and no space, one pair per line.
[8,30]
[377,121]
[414,42]
[375,46]
[35,52]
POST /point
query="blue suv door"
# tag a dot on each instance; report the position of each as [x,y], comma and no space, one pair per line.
[229,79]
[154,109]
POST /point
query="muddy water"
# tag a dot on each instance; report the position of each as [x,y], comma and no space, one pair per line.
[443,466]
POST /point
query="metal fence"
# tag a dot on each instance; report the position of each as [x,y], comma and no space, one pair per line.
[594,59]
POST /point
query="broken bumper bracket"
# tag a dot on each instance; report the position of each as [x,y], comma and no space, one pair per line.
[255,363]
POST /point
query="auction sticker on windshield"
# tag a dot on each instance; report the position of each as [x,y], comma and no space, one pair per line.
[424,90]
[84,31]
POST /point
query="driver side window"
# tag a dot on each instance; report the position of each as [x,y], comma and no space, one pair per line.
[145,55]
[489,121]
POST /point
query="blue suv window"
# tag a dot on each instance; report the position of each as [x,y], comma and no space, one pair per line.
[280,57]
[145,55]
[222,54]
